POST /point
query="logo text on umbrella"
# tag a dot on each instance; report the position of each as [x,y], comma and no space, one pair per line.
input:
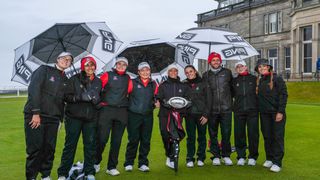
[186,36]
[188,48]
[234,51]
[108,41]
[23,70]
[234,38]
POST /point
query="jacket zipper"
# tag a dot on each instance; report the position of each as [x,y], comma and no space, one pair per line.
[244,92]
[218,91]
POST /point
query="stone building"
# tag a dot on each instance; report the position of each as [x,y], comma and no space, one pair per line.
[286,32]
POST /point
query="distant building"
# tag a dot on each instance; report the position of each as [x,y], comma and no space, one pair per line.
[287,32]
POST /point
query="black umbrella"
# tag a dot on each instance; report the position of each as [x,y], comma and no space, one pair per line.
[80,39]
[74,38]
[159,56]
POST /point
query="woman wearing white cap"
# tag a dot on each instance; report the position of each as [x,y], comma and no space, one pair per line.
[172,87]
[113,116]
[140,122]
[42,113]
[245,114]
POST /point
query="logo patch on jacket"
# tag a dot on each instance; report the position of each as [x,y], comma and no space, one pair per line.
[180,90]
[115,78]
[139,86]
[237,84]
[52,79]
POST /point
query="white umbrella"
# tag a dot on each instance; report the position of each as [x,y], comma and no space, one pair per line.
[200,42]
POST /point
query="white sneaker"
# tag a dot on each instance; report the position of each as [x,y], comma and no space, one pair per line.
[62,178]
[169,163]
[252,162]
[275,168]
[267,164]
[216,162]
[227,161]
[91,177]
[46,178]
[128,168]
[144,168]
[97,167]
[241,162]
[190,164]
[113,172]
[200,163]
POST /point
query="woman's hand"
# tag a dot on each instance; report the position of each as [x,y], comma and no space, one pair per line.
[157,104]
[279,117]
[35,121]
[203,120]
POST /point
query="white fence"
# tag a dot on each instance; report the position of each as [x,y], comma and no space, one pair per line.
[13,91]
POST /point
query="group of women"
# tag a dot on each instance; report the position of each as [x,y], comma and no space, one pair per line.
[100,107]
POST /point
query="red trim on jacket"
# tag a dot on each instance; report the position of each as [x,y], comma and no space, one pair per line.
[104,79]
[156,90]
[130,85]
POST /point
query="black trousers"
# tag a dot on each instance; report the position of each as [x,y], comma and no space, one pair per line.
[40,146]
[224,120]
[115,120]
[163,120]
[273,135]
[246,122]
[193,125]
[139,132]
[74,127]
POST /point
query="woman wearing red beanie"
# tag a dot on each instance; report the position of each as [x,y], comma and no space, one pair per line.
[82,96]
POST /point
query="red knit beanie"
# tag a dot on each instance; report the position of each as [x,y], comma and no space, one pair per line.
[86,60]
[214,55]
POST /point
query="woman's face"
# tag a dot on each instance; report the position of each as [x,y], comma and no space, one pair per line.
[144,73]
[241,69]
[121,66]
[89,68]
[64,62]
[173,73]
[263,69]
[190,73]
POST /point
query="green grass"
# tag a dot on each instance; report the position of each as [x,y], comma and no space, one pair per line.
[304,92]
[301,159]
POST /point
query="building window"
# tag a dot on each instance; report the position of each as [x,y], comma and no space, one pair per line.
[307,49]
[259,55]
[273,23]
[273,58]
[287,58]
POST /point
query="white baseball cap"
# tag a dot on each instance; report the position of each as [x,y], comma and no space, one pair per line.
[243,63]
[143,65]
[173,66]
[65,54]
[123,59]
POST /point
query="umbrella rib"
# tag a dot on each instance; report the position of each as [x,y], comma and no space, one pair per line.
[75,29]
[52,52]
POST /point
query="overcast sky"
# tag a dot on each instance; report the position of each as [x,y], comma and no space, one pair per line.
[130,20]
